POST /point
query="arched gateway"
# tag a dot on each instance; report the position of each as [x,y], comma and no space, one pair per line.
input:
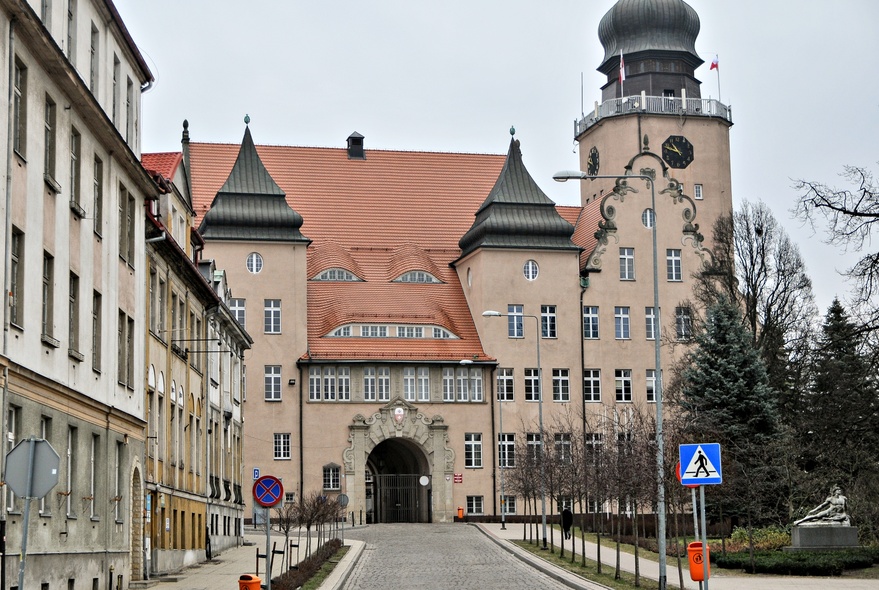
[399,465]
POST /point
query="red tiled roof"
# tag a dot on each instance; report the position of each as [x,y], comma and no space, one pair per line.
[392,212]
[164,163]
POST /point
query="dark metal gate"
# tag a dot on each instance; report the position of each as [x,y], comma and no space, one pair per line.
[397,498]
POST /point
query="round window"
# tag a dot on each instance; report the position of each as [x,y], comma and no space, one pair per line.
[254,262]
[530,270]
[648,218]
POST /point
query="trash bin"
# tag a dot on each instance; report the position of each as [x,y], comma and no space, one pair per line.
[248,582]
[460,513]
[699,572]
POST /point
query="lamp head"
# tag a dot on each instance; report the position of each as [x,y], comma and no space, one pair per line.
[566,175]
[490,313]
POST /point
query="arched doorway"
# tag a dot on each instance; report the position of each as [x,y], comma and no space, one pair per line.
[397,483]
[137,538]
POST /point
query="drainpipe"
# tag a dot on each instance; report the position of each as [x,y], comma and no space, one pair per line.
[6,266]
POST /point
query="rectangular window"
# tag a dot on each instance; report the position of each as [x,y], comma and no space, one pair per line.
[374,331]
[532,385]
[46,434]
[329,383]
[473,450]
[162,297]
[13,435]
[505,385]
[115,113]
[48,294]
[623,379]
[273,383]
[548,321]
[561,385]
[75,171]
[651,385]
[127,216]
[476,385]
[384,384]
[423,384]
[369,384]
[46,13]
[410,332]
[73,315]
[621,323]
[627,264]
[49,141]
[282,446]
[562,442]
[129,352]
[448,385]
[650,323]
[474,505]
[590,322]
[533,442]
[332,480]
[97,322]
[71,30]
[272,316]
[506,448]
[409,384]
[462,385]
[16,278]
[673,264]
[697,192]
[314,384]
[343,383]
[19,108]
[98,196]
[94,44]
[508,504]
[592,385]
[683,323]
[237,307]
[93,473]
[515,321]
[71,470]
[129,110]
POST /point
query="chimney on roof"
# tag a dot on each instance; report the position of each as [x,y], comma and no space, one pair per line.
[355,147]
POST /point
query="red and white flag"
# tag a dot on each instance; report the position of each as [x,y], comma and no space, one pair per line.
[714,64]
[622,68]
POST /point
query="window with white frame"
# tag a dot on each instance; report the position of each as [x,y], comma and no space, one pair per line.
[462,384]
[409,384]
[343,332]
[384,384]
[683,323]
[533,442]
[448,384]
[590,322]
[561,385]
[649,323]
[548,321]
[410,332]
[476,385]
[592,385]
[621,323]
[369,384]
[272,383]
[374,331]
[417,276]
[238,309]
[531,270]
[423,384]
[506,448]
[562,443]
[474,505]
[329,383]
[282,446]
[648,218]
[336,274]
[442,333]
[508,504]
[314,384]
[651,385]
[532,385]
[627,264]
[343,383]
[623,381]
[593,441]
[515,321]
[673,264]
[697,192]
[473,450]
[272,316]
[332,477]
[254,263]
[505,384]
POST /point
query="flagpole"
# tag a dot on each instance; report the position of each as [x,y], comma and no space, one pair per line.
[715,65]
[622,76]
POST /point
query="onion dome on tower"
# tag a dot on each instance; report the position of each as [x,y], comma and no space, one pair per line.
[657,39]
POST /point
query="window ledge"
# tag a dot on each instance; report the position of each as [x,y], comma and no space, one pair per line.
[75,355]
[49,341]
[77,209]
[52,183]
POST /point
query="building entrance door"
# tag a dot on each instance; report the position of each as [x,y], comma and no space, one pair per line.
[397,469]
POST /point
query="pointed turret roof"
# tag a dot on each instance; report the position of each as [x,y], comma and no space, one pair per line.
[250,205]
[517,214]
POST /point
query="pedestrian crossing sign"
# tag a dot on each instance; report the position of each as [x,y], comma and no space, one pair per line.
[700,464]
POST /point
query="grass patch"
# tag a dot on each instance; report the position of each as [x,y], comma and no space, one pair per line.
[325,570]
[626,581]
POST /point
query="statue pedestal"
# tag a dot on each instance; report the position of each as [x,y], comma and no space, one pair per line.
[823,537]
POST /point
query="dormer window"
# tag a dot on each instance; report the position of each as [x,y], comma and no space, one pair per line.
[417,276]
[336,274]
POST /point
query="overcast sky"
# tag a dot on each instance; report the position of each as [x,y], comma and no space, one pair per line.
[453,76]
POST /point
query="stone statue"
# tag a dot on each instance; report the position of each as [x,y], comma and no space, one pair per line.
[829,512]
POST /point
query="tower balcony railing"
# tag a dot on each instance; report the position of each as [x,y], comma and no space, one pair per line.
[661,105]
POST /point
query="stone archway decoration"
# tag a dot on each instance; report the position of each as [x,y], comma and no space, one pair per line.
[399,419]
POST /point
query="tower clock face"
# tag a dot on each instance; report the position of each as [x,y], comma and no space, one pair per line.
[592,162]
[677,151]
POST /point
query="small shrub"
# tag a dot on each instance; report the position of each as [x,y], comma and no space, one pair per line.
[765,539]
[307,567]
[798,563]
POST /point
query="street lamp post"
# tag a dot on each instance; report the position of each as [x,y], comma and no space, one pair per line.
[497,314]
[660,459]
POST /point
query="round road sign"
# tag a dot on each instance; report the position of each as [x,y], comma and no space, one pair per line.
[268,491]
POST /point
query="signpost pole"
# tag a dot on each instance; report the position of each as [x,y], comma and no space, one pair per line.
[268,548]
[31,444]
[695,521]
[706,566]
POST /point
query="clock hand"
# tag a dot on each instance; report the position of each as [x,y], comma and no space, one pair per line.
[673,148]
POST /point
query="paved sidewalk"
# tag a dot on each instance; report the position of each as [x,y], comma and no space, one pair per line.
[650,569]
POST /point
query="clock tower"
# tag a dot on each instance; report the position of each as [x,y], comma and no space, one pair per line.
[654,104]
